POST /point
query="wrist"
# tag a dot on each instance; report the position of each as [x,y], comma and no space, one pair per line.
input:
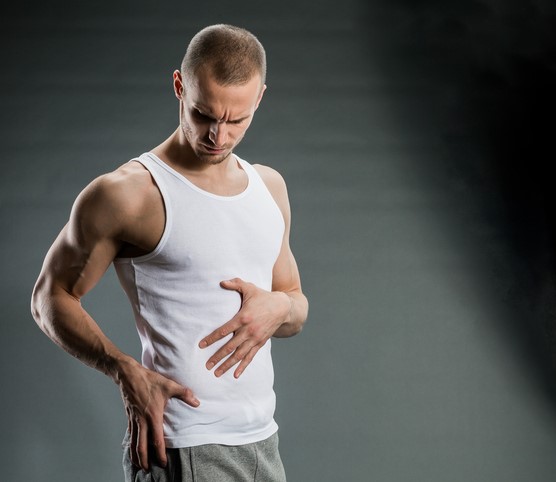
[288,308]
[119,366]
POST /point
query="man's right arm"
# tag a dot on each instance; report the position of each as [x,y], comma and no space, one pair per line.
[101,221]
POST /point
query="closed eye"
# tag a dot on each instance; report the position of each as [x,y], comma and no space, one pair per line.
[199,115]
[207,118]
[236,122]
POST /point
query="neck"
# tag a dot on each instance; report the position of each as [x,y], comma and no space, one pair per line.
[226,178]
[177,151]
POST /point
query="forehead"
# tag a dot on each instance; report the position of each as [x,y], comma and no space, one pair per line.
[203,90]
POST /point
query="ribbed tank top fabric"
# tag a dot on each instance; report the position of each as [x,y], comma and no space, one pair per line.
[177,300]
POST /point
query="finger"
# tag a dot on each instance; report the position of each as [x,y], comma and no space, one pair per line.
[185,395]
[157,431]
[233,359]
[142,446]
[222,332]
[128,414]
[225,351]
[236,284]
[133,445]
[246,361]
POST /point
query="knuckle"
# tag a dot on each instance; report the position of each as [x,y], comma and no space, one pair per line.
[253,332]
[245,319]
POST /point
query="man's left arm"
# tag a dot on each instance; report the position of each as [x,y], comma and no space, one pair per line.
[263,314]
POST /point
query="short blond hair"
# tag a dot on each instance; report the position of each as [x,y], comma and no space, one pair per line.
[233,54]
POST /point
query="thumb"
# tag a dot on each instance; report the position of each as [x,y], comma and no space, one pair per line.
[184,394]
[236,284]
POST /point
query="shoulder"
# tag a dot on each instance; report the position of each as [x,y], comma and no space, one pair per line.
[276,185]
[125,187]
[272,178]
[117,198]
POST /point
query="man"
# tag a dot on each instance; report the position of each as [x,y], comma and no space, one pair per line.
[199,240]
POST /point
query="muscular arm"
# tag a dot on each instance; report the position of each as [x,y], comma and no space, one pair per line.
[263,314]
[285,275]
[74,264]
[103,220]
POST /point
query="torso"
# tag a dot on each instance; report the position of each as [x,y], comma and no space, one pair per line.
[176,297]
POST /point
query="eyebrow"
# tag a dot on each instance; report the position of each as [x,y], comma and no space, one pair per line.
[203,111]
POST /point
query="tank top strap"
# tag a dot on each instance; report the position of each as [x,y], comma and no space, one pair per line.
[255,179]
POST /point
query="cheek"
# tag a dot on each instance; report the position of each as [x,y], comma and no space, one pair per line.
[238,132]
[193,129]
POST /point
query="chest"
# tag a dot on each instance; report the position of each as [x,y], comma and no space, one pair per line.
[206,235]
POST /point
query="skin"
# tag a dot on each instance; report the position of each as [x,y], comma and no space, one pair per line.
[122,214]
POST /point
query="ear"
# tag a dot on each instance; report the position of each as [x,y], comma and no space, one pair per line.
[260,97]
[178,85]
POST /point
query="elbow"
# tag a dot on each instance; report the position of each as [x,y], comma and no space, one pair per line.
[36,304]
[41,305]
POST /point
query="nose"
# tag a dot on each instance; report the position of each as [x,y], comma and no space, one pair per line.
[218,133]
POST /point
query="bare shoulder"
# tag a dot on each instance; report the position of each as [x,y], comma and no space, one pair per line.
[269,174]
[273,180]
[276,184]
[115,201]
[123,189]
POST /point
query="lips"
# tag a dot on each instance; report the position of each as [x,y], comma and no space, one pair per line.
[213,150]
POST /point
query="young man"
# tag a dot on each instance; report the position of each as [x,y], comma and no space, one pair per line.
[199,240]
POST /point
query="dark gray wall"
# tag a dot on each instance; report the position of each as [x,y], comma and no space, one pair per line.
[415,141]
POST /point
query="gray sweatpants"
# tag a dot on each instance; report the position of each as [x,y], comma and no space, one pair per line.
[256,462]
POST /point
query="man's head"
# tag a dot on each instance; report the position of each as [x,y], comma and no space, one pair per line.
[220,85]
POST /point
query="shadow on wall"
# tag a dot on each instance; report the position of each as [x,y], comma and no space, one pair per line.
[478,78]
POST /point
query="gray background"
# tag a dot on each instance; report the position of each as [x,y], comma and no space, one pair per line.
[416,140]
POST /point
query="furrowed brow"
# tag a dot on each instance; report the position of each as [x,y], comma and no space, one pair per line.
[206,113]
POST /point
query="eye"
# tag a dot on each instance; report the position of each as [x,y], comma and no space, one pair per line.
[199,115]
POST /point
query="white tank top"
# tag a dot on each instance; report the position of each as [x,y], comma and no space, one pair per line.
[177,300]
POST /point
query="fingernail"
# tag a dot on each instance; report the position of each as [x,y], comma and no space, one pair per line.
[203,344]
[210,365]
[218,373]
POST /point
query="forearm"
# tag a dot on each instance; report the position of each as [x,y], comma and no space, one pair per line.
[62,318]
[145,393]
[293,324]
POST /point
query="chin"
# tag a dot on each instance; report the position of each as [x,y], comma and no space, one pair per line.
[213,160]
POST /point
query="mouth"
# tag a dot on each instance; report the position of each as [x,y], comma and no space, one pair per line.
[213,150]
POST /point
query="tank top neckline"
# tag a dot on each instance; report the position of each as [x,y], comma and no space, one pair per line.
[243,164]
